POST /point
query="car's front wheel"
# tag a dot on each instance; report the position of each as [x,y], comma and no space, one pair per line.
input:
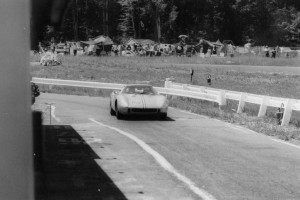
[112,112]
[163,116]
[118,114]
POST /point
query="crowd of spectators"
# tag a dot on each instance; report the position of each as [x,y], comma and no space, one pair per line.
[147,49]
[156,49]
[271,52]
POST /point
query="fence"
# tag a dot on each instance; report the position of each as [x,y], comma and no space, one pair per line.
[197,92]
[261,51]
[264,101]
[170,91]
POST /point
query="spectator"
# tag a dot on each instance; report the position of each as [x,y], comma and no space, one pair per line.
[267,51]
[170,50]
[273,53]
[135,46]
[67,48]
[209,80]
[277,51]
[85,50]
[119,49]
[279,115]
[214,50]
[147,48]
[151,50]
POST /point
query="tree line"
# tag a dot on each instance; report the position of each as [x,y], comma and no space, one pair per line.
[264,22]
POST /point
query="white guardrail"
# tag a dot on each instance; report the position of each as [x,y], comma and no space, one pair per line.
[197,92]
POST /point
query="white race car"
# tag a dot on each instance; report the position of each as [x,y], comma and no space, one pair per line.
[138,99]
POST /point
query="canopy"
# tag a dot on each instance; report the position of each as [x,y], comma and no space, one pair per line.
[183,36]
[100,40]
[218,43]
[90,42]
[104,40]
[139,41]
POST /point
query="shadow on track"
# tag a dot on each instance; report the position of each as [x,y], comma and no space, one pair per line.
[145,118]
[66,168]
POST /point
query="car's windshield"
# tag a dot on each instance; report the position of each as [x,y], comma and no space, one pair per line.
[139,89]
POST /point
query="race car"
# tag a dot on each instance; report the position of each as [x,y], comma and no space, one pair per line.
[138,99]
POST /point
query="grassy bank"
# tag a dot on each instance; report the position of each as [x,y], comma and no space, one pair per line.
[132,69]
[237,60]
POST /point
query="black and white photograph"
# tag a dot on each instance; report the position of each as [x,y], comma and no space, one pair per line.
[150,100]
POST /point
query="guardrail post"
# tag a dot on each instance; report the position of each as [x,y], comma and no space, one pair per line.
[168,83]
[263,106]
[222,99]
[287,112]
[242,103]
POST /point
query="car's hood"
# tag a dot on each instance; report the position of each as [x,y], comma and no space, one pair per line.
[144,101]
[152,101]
[134,100]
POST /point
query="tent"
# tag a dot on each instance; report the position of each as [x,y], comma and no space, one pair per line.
[104,43]
[218,43]
[103,40]
[100,40]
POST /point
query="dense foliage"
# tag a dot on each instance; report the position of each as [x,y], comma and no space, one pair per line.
[266,22]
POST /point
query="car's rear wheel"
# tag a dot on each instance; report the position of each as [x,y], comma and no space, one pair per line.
[118,114]
[112,112]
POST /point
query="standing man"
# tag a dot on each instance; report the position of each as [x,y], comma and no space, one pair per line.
[267,51]
[209,79]
[273,53]
[192,73]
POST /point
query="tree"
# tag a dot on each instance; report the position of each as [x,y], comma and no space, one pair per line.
[287,26]
[127,24]
[159,7]
[268,22]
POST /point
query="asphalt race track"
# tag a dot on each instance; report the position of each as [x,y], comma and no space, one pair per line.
[186,157]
